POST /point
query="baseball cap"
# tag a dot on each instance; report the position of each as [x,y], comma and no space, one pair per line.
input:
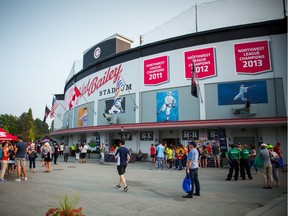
[264,144]
[270,146]
[192,143]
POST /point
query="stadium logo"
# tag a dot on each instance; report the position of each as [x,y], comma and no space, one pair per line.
[97,52]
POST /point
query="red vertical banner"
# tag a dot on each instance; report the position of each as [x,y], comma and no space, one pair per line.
[156,70]
[252,57]
[204,63]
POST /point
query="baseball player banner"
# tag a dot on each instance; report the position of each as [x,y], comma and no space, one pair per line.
[116,106]
[167,106]
[240,92]
[252,57]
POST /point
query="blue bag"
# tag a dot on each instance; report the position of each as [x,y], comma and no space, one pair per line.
[187,183]
[279,163]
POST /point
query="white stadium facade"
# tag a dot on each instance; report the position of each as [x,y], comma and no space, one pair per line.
[240,70]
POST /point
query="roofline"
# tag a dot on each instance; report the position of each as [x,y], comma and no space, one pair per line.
[214,123]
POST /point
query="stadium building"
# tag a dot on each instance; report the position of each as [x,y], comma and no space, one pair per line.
[225,84]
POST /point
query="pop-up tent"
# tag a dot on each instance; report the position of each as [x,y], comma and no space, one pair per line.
[4,136]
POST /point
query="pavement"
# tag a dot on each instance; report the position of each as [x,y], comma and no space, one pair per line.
[151,192]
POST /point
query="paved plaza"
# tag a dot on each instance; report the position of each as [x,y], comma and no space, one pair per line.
[151,192]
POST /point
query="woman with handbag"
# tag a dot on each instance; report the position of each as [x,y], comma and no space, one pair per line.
[32,157]
[275,169]
[47,157]
[266,167]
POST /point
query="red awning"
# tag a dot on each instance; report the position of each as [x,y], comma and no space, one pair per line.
[4,136]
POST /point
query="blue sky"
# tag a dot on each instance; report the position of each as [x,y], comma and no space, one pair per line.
[39,40]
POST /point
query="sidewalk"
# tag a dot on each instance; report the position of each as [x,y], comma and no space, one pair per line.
[151,192]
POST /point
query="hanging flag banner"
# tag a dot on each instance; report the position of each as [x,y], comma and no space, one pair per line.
[204,63]
[156,71]
[252,58]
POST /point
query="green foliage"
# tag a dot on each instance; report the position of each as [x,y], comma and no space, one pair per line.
[66,207]
[25,126]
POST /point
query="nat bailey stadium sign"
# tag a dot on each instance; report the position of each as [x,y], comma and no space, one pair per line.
[95,83]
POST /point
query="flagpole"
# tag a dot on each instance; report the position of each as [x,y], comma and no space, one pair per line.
[129,91]
[54,115]
[88,104]
[196,76]
[62,107]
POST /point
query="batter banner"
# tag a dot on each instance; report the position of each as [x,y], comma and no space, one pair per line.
[239,93]
[204,63]
[167,106]
[252,57]
[156,71]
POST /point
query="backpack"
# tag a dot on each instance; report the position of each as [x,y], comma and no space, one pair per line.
[279,163]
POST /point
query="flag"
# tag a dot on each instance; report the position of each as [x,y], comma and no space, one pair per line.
[119,84]
[193,81]
[76,94]
[55,104]
[47,111]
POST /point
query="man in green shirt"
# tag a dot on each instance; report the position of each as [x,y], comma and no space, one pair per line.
[233,155]
[244,163]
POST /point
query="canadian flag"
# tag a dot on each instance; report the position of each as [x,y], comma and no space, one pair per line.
[76,94]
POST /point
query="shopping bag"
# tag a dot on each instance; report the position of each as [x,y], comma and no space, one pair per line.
[258,162]
[187,183]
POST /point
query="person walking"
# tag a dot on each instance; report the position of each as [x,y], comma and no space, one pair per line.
[47,157]
[233,155]
[160,156]
[21,151]
[192,170]
[56,153]
[32,157]
[122,156]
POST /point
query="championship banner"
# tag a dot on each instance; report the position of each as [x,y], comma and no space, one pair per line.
[156,71]
[252,58]
[204,63]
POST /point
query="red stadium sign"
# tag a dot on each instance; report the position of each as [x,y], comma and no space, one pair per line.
[252,57]
[156,70]
[204,62]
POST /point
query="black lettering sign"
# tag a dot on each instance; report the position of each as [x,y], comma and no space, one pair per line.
[146,136]
[213,134]
[126,136]
[190,135]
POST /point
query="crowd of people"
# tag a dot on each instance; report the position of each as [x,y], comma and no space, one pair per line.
[169,156]
[15,155]
[240,158]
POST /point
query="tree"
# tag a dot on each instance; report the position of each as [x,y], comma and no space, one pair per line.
[41,129]
[30,126]
[25,126]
